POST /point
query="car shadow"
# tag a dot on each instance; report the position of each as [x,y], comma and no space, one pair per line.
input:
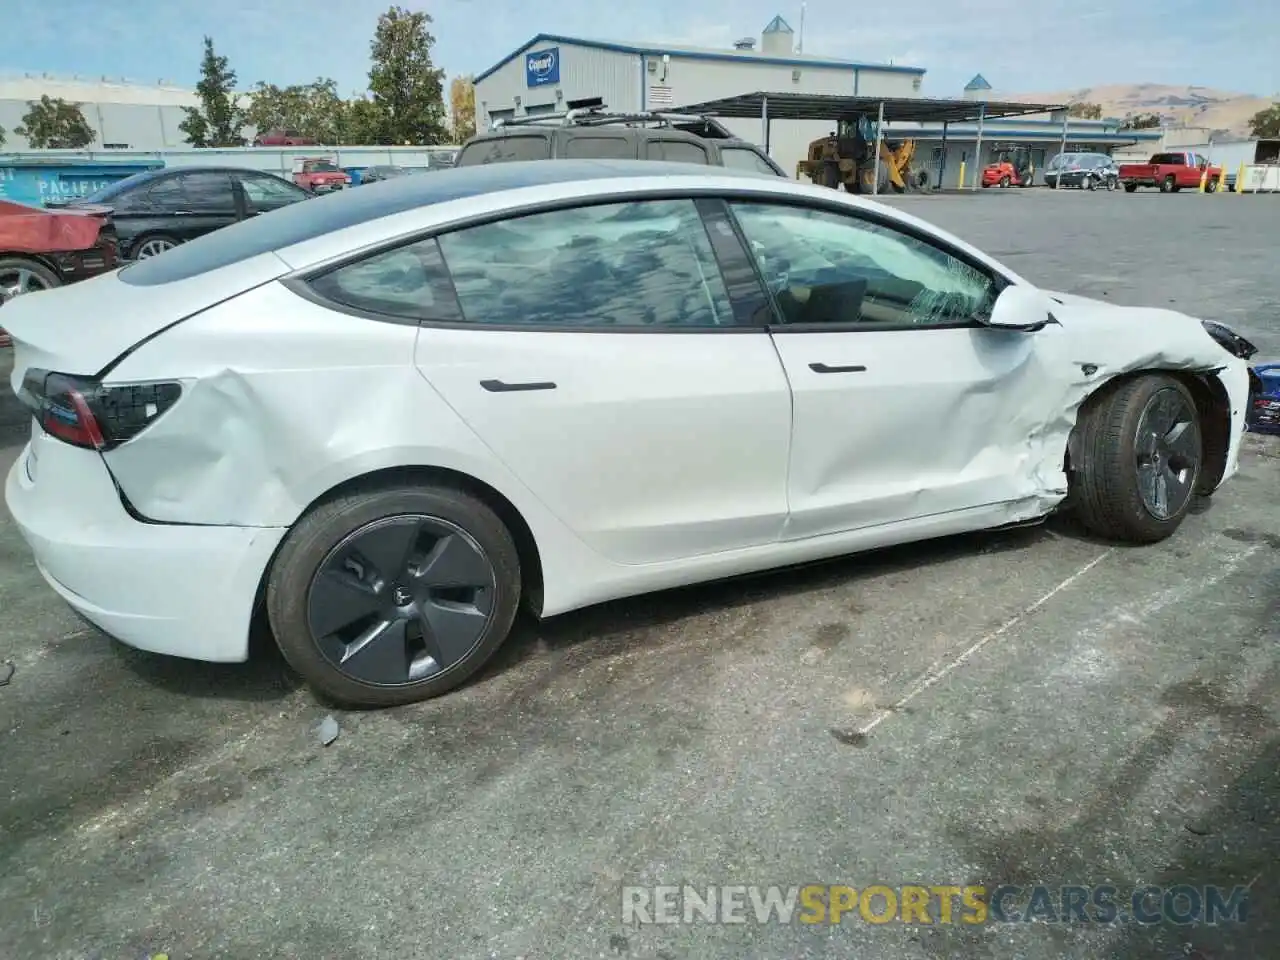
[607,626]
[264,678]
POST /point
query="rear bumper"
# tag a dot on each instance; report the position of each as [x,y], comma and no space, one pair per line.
[187,591]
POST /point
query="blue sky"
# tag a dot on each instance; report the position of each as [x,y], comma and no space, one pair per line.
[1024,46]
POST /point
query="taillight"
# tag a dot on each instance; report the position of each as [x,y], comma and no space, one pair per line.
[87,414]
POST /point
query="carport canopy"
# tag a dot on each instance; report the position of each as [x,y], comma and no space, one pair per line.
[826,106]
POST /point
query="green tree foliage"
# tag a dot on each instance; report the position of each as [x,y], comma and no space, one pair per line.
[219,119]
[1143,121]
[361,122]
[1265,124]
[406,88]
[52,123]
[1085,111]
[313,110]
[1,136]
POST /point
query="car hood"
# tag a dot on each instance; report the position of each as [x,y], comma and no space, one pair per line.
[82,328]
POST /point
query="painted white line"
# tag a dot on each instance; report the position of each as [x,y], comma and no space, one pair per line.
[939,671]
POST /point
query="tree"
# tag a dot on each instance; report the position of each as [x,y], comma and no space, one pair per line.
[407,90]
[361,122]
[313,110]
[219,119]
[53,123]
[1266,123]
[1143,121]
[1,136]
[1085,111]
[462,106]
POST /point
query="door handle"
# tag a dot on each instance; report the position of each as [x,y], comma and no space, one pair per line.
[501,386]
[824,368]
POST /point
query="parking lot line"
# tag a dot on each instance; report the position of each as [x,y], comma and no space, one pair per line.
[939,671]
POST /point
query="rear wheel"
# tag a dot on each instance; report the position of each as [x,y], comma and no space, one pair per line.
[394,594]
[1140,451]
[153,246]
[1130,187]
[19,275]
[1004,181]
[1168,184]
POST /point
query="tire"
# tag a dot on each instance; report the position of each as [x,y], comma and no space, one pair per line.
[1130,187]
[19,275]
[1004,182]
[1113,433]
[151,245]
[1168,185]
[334,551]
[1211,185]
[1089,183]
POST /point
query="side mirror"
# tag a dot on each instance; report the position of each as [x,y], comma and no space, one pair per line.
[1021,308]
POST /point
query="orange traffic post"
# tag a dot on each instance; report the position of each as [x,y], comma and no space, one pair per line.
[1222,180]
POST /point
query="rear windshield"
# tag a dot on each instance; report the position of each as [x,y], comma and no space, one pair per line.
[113,190]
[504,150]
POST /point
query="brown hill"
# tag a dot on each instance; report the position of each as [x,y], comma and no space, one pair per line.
[1218,110]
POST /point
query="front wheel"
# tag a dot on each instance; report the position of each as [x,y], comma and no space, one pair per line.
[395,594]
[153,246]
[1140,453]
[1004,181]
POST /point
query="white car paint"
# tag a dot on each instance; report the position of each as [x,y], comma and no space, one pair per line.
[660,460]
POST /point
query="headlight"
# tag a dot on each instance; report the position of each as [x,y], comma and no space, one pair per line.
[1230,341]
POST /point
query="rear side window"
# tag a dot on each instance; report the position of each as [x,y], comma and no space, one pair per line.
[599,148]
[1167,158]
[677,151]
[506,150]
[639,264]
[740,158]
[407,283]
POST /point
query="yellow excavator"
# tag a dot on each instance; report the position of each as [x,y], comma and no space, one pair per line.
[848,156]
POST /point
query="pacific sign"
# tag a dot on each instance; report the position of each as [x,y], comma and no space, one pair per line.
[542,67]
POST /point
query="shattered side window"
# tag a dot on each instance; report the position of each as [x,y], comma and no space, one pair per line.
[824,267]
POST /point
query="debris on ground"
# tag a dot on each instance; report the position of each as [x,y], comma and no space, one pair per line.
[328,730]
[6,672]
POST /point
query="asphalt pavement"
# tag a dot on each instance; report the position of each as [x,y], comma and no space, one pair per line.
[1029,706]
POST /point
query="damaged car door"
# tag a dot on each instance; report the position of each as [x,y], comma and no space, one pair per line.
[906,404]
[598,355]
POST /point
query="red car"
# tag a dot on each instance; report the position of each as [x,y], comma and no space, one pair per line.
[282,138]
[40,249]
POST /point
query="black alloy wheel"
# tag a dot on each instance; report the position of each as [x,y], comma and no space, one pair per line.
[394,595]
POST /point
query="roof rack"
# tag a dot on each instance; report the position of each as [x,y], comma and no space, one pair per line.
[598,115]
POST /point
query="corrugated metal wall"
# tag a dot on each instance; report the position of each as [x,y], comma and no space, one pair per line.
[584,72]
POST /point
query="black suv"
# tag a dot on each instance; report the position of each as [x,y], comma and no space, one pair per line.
[595,134]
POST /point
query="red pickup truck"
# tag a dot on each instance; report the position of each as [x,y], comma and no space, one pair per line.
[1170,172]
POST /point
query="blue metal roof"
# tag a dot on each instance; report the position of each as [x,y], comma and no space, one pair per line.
[691,53]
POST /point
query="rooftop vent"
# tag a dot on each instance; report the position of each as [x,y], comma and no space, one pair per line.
[746,43]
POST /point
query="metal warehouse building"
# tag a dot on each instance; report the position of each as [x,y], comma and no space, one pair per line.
[123,115]
[548,71]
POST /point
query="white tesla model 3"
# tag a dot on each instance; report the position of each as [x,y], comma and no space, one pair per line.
[385,418]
